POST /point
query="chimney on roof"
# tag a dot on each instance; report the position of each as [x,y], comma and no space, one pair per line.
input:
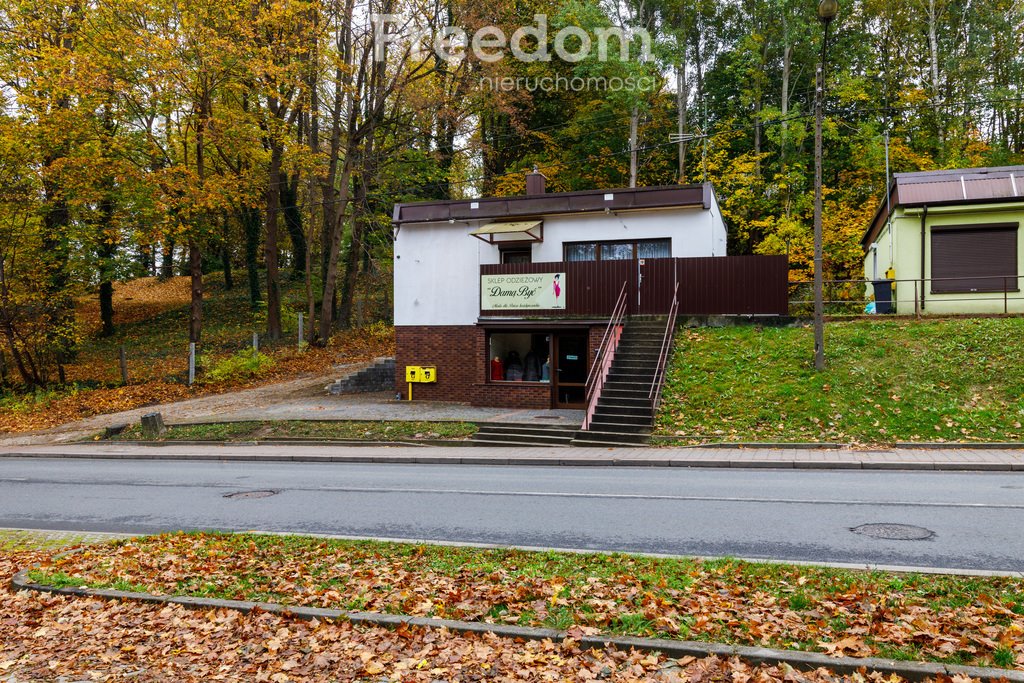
[535,182]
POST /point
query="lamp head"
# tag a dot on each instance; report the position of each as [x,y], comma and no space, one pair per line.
[827,10]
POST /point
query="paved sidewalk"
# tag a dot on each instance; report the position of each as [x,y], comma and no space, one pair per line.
[905,459]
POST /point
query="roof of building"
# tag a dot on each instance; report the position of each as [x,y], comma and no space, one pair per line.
[538,205]
[946,188]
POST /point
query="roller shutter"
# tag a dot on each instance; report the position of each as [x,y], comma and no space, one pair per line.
[977,257]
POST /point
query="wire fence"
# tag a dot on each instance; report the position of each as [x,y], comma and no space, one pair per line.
[989,294]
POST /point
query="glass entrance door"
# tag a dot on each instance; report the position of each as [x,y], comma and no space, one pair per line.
[569,371]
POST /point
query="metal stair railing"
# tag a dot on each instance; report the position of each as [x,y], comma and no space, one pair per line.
[666,346]
[605,355]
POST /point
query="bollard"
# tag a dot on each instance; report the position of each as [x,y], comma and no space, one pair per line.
[123,356]
[191,363]
[255,343]
[153,425]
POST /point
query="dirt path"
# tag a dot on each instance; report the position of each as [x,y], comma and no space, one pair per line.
[193,409]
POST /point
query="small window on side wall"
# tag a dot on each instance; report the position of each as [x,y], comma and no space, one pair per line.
[516,255]
[974,258]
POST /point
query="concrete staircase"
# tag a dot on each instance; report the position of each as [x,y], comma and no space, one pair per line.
[623,416]
[380,376]
[519,434]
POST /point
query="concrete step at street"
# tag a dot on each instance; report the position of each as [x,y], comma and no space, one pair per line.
[609,439]
[523,444]
[619,427]
[491,433]
[522,439]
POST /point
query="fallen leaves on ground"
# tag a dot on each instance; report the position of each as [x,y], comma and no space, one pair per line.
[350,346]
[46,638]
[976,620]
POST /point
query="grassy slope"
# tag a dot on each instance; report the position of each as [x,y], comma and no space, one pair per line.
[886,381]
[152,317]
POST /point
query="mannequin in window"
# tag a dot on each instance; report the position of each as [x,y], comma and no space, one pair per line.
[513,367]
[531,367]
[497,369]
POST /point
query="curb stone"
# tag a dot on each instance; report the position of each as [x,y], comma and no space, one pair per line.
[805,661]
[559,459]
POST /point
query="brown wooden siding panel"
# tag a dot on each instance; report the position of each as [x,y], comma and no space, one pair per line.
[719,285]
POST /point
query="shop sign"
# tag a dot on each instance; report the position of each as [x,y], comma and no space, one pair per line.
[522,291]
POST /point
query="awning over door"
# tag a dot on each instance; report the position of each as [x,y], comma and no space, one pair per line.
[510,231]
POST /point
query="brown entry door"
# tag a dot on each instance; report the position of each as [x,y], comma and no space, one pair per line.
[569,370]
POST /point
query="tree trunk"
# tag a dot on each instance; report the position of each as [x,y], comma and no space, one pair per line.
[59,311]
[250,219]
[225,257]
[107,308]
[26,366]
[933,54]
[352,256]
[293,222]
[105,254]
[167,262]
[273,196]
[333,248]
[146,259]
[195,267]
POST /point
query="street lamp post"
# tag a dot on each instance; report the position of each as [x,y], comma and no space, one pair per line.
[827,10]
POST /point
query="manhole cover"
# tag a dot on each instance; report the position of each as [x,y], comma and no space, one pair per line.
[250,494]
[894,532]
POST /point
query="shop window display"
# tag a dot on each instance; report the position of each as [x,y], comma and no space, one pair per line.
[519,357]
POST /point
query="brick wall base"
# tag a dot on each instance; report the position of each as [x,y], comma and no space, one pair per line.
[460,355]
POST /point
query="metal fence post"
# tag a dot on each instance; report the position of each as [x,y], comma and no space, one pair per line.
[917,302]
[123,357]
[302,330]
[255,343]
[191,363]
[1005,305]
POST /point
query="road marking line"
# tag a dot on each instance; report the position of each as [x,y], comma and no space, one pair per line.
[644,496]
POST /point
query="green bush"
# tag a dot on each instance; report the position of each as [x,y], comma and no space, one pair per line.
[242,365]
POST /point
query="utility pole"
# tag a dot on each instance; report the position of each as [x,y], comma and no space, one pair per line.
[634,118]
[681,104]
[827,10]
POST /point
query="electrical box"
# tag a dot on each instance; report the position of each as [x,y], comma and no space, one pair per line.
[422,374]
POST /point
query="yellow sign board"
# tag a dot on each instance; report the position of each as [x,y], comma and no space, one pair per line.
[423,374]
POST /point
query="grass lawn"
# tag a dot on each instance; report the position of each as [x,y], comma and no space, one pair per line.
[886,381]
[950,619]
[303,429]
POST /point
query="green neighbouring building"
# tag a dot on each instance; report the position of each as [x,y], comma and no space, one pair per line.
[948,242]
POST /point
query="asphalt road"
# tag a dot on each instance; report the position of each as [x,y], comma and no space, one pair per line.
[976,518]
